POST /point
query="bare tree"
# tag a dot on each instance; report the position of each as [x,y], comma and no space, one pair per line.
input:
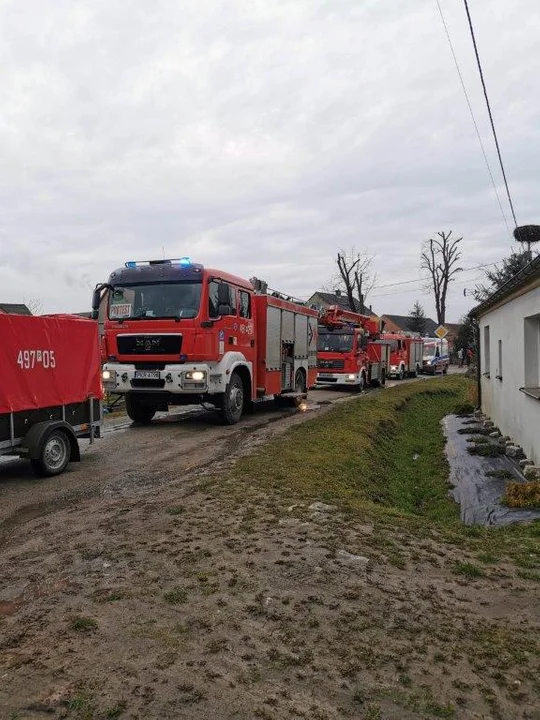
[440,258]
[354,276]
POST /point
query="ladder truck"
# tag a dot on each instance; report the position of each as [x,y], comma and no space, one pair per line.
[178,333]
[349,350]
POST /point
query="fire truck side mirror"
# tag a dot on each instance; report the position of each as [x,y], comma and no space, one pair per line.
[96,299]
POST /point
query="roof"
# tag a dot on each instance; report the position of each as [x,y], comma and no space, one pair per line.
[518,281]
[403,321]
[14,309]
[343,302]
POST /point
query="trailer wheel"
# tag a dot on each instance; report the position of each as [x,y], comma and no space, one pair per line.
[54,455]
[139,413]
[233,401]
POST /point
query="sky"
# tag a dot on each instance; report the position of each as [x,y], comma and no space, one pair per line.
[259,137]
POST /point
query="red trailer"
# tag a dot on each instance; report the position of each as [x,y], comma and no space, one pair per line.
[178,333]
[50,388]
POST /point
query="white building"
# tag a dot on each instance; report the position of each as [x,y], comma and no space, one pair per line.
[509,324]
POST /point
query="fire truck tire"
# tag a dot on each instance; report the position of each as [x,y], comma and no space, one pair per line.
[139,413]
[299,382]
[401,375]
[232,406]
[54,455]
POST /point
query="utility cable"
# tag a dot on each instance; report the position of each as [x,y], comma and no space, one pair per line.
[472,115]
[489,111]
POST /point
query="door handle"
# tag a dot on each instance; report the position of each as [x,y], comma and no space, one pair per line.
[252,343]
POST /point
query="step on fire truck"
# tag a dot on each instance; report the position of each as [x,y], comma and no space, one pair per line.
[350,351]
[406,355]
[50,388]
[177,333]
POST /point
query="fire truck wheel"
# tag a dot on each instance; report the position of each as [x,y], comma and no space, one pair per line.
[139,413]
[299,382]
[233,401]
[54,455]
[401,375]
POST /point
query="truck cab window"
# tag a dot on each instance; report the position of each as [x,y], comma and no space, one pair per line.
[221,299]
[244,304]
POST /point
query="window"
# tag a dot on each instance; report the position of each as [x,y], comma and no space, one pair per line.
[221,299]
[244,304]
[486,351]
[532,355]
[500,364]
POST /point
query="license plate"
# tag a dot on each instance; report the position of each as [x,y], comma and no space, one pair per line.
[325,376]
[147,374]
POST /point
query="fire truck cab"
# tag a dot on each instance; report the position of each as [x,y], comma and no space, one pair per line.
[177,333]
[406,355]
[349,351]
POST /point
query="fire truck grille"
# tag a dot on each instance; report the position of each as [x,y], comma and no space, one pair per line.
[331,364]
[149,344]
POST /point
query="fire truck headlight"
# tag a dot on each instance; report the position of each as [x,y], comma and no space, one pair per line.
[196,375]
[106,375]
[352,377]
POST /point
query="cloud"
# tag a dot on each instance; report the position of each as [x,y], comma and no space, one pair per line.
[256,137]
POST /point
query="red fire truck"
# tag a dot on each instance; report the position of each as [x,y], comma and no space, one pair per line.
[50,388]
[406,355]
[178,333]
[349,350]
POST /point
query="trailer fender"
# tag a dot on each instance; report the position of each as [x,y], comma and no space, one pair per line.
[33,440]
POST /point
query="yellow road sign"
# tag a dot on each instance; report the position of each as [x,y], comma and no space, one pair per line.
[441,332]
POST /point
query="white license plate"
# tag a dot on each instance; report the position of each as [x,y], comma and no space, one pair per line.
[147,374]
[325,377]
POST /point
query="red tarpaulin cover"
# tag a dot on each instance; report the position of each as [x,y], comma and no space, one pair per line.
[47,361]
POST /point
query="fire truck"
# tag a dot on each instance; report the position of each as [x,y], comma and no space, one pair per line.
[349,350]
[406,355]
[50,388]
[178,333]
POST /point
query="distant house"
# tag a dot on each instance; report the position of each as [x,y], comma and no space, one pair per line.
[509,355]
[325,299]
[14,309]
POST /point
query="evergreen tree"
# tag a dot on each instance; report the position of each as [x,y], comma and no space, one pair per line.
[417,319]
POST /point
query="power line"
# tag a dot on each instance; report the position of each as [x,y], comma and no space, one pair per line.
[472,115]
[489,111]
[425,279]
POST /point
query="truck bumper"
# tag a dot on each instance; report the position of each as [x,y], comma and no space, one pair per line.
[324,378]
[193,379]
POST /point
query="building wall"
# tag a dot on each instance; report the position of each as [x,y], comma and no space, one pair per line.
[513,412]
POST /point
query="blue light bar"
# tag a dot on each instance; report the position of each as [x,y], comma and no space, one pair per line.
[131,264]
[185,261]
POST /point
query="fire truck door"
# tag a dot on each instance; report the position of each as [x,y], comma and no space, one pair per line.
[245,325]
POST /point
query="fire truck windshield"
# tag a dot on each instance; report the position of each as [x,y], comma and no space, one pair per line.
[154,301]
[334,341]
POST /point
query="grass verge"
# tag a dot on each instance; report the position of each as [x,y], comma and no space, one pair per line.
[384,452]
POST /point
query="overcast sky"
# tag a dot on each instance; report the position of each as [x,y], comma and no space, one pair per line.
[258,136]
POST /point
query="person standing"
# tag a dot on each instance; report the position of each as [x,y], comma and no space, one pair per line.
[460,357]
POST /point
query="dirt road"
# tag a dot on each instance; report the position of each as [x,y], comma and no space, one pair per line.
[117,465]
[137,586]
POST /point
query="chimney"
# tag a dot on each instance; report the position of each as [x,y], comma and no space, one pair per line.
[337,293]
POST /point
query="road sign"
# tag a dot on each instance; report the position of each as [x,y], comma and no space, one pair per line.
[441,332]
